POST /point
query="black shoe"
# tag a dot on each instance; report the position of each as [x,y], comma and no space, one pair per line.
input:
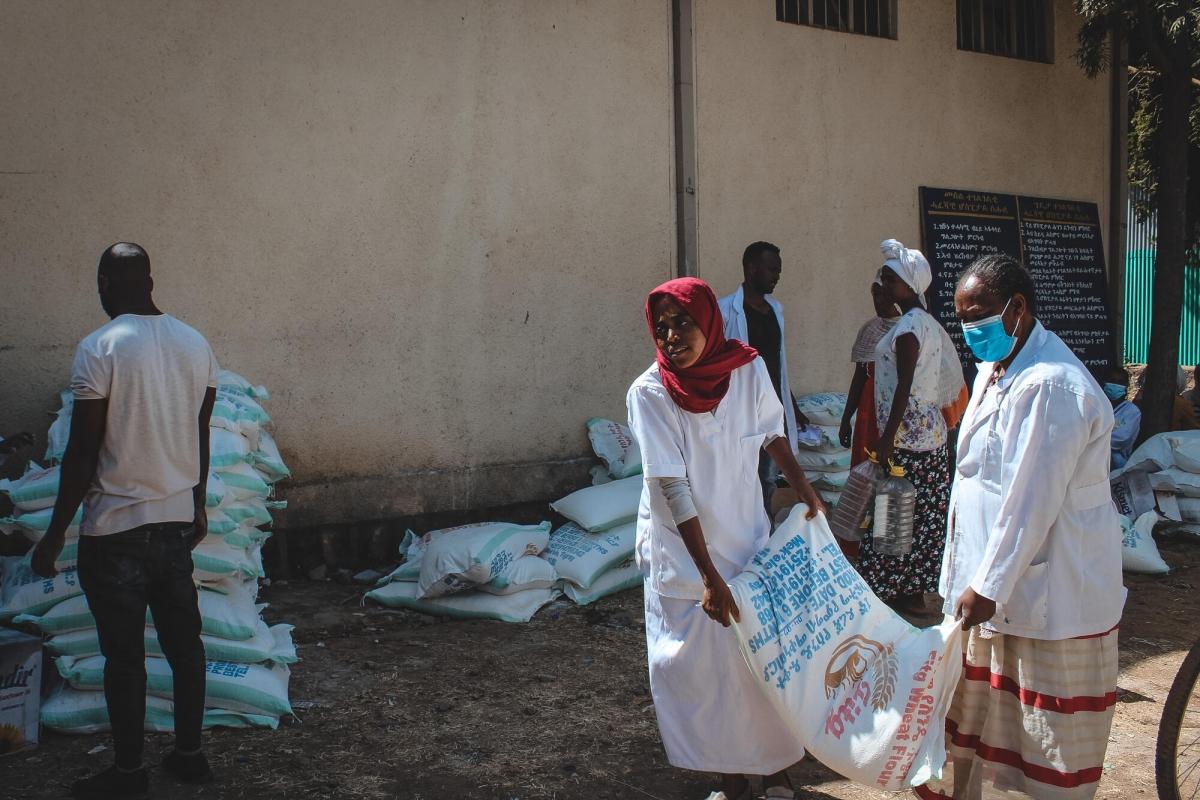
[112,784]
[188,769]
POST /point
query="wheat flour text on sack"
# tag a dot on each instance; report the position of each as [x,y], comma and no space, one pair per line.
[864,691]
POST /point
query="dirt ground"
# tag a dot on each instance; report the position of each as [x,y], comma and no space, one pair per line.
[396,704]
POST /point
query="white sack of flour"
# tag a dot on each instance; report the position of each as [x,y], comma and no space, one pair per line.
[823,408]
[581,557]
[613,443]
[865,692]
[599,508]
[33,491]
[1139,553]
[461,558]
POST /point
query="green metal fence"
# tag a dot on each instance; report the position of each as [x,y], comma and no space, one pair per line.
[1139,303]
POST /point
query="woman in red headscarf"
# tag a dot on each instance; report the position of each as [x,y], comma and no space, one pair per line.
[701,414]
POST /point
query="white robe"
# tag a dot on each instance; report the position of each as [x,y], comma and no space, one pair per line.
[712,714]
[1032,522]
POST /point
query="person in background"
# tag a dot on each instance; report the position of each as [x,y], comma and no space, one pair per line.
[1192,396]
[1128,416]
[12,445]
[861,397]
[753,315]
[701,414]
[137,458]
[917,375]
[17,441]
[1183,416]
[1033,563]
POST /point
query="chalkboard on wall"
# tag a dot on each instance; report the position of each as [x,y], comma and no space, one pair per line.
[1058,241]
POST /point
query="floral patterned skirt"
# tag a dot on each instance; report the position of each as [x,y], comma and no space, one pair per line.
[891,576]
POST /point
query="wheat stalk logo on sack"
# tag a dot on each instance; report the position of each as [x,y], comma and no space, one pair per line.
[848,667]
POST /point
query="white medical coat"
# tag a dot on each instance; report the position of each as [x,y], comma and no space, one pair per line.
[1032,524]
[718,453]
[733,311]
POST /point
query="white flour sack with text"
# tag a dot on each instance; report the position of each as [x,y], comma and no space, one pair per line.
[865,692]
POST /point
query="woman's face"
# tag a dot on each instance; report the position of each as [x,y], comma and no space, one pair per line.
[896,289]
[678,337]
[883,304]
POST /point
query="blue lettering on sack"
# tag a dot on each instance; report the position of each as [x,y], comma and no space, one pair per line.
[802,599]
[226,669]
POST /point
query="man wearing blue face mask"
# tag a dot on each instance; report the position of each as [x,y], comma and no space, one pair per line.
[1032,565]
[1127,417]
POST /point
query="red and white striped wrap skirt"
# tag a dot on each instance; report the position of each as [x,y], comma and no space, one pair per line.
[1030,718]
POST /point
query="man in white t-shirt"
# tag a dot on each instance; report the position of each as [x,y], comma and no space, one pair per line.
[137,458]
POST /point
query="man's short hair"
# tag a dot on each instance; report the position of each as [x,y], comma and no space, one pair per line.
[125,261]
[754,252]
[1002,276]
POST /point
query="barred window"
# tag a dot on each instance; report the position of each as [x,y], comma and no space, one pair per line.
[868,17]
[1013,28]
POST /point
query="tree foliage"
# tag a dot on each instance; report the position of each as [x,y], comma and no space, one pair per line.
[1163,41]
[1141,23]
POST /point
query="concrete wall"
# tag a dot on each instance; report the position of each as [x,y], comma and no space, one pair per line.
[427,226]
[817,140]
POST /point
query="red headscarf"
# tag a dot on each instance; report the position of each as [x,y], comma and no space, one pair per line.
[700,387]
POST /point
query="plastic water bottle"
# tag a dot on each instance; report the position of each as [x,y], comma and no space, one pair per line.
[895,505]
[846,519]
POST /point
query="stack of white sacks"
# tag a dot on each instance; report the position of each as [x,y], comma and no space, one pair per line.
[820,453]
[1170,463]
[486,570]
[247,672]
[506,571]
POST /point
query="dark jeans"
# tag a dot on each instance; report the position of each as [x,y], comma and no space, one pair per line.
[121,575]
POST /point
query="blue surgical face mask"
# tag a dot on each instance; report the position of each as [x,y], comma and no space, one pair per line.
[988,339]
[1116,391]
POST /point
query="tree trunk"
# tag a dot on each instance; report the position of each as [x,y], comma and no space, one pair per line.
[1163,361]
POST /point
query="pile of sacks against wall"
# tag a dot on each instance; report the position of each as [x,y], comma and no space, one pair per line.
[506,571]
[247,669]
[819,449]
[594,551]
[1160,483]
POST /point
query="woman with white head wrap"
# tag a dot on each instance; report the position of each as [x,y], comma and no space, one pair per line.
[919,394]
[910,266]
[859,430]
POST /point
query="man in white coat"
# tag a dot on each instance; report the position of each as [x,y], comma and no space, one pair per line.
[752,315]
[1032,564]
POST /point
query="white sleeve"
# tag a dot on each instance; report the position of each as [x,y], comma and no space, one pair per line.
[909,323]
[213,368]
[1048,429]
[653,418]
[678,494]
[91,374]
[770,420]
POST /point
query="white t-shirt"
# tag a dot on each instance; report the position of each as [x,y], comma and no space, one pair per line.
[154,371]
[718,453]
